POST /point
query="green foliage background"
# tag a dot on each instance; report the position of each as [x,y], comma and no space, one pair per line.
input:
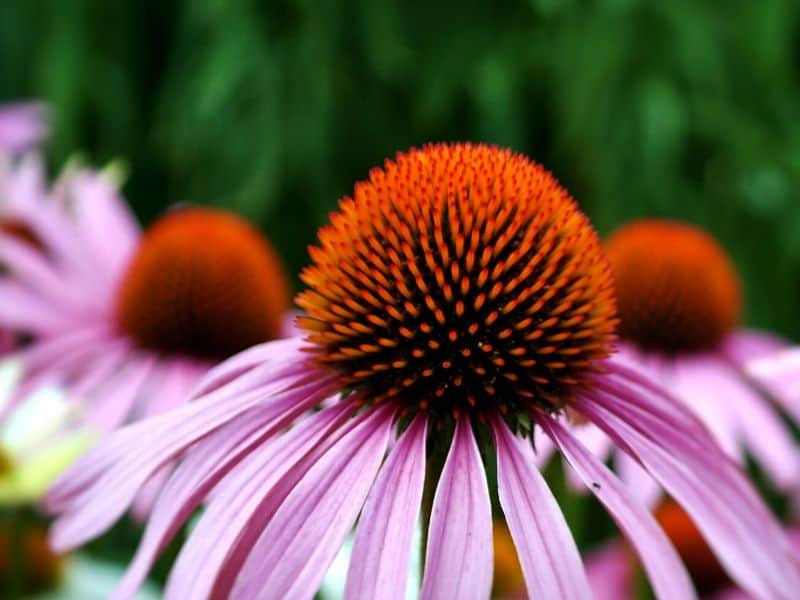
[681,108]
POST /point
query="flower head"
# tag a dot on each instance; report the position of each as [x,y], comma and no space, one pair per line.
[458,295]
[677,290]
[679,300]
[126,322]
[433,289]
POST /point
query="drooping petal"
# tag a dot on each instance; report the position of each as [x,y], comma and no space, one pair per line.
[100,487]
[547,552]
[745,345]
[662,563]
[779,373]
[308,529]
[764,433]
[202,470]
[382,548]
[643,487]
[698,382]
[680,454]
[458,560]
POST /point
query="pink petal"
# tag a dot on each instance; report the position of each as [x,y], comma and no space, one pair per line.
[382,548]
[101,485]
[547,552]
[308,529]
[698,382]
[22,310]
[269,355]
[32,270]
[458,560]
[642,486]
[105,220]
[662,563]
[610,573]
[205,466]
[764,433]
[745,345]
[22,125]
[779,373]
[678,452]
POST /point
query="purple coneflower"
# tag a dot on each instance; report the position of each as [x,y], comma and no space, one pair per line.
[127,322]
[458,298]
[22,125]
[679,304]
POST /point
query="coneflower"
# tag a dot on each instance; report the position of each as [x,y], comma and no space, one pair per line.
[124,321]
[680,304]
[457,300]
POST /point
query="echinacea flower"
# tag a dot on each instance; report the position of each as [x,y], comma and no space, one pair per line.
[22,126]
[612,569]
[124,321]
[679,300]
[458,299]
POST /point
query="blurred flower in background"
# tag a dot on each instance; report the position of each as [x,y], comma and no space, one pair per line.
[532,316]
[125,322]
[679,301]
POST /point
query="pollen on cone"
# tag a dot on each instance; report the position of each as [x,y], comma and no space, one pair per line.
[459,277]
[203,283]
[676,288]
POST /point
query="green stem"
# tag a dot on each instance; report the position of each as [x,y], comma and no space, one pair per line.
[434,464]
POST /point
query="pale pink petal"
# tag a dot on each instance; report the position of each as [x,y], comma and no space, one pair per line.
[22,125]
[295,550]
[597,442]
[142,448]
[642,486]
[123,389]
[678,452]
[662,563]
[610,573]
[779,373]
[745,345]
[382,549]
[22,310]
[763,432]
[547,552]
[458,560]
[263,356]
[33,271]
[105,220]
[699,382]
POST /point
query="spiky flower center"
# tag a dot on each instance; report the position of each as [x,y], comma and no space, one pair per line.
[703,567]
[203,283]
[676,288]
[459,277]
